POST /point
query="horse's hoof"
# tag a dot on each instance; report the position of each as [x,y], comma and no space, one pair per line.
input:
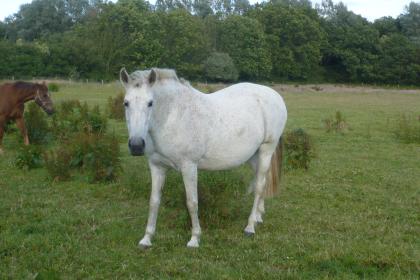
[145,244]
[249,234]
[193,243]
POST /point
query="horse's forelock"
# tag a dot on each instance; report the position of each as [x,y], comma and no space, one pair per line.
[166,74]
[161,75]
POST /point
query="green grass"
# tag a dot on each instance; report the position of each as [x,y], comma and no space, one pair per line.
[353,214]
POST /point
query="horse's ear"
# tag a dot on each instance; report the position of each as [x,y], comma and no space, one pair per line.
[44,83]
[152,77]
[124,77]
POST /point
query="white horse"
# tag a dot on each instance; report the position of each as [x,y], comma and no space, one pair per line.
[177,126]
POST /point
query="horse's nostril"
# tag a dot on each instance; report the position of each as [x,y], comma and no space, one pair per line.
[136,146]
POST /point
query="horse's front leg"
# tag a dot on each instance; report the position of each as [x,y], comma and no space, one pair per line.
[20,123]
[2,127]
[189,174]
[158,179]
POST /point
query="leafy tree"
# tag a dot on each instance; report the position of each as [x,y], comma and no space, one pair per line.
[202,8]
[244,40]
[410,21]
[386,26]
[20,60]
[295,39]
[352,49]
[2,30]
[185,45]
[220,67]
[397,61]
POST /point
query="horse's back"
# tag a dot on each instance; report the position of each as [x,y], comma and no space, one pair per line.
[258,98]
[245,116]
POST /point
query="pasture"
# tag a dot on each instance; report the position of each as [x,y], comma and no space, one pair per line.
[353,214]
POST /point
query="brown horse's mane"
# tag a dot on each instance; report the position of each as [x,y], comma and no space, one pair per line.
[20,85]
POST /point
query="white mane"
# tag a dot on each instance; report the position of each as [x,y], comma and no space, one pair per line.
[161,74]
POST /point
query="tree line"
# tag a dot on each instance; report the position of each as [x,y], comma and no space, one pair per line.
[214,40]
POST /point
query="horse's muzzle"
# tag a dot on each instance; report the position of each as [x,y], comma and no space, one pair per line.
[136,147]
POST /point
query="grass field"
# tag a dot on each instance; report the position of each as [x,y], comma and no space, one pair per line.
[353,214]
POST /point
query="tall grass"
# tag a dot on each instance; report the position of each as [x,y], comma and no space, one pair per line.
[407,128]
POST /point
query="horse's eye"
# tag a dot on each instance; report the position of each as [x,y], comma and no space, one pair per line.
[150,104]
[126,103]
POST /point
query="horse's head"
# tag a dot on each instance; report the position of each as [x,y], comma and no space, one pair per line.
[138,103]
[43,98]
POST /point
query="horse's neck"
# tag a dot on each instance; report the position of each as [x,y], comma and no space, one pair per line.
[178,97]
[25,96]
[176,100]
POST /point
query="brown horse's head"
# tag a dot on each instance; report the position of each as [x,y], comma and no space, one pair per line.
[43,98]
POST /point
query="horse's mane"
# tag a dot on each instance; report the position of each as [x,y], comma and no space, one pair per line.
[161,74]
[26,86]
[23,85]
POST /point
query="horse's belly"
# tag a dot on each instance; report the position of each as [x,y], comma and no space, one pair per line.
[225,156]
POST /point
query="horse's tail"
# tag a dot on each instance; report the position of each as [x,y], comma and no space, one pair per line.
[274,172]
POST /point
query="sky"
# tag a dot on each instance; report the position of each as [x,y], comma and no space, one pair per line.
[370,9]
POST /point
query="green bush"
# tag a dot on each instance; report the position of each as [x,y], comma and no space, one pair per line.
[10,127]
[220,67]
[95,155]
[336,123]
[221,200]
[299,149]
[57,163]
[53,87]
[29,157]
[37,124]
[407,129]
[116,108]
[93,120]
[73,117]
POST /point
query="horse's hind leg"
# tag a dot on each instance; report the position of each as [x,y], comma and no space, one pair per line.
[264,155]
[20,123]
[189,175]
[253,162]
[2,127]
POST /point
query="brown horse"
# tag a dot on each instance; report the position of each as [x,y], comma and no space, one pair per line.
[12,99]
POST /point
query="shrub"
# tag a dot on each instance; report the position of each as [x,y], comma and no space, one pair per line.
[221,200]
[116,108]
[97,155]
[93,120]
[57,163]
[10,127]
[336,123]
[53,87]
[73,117]
[299,149]
[28,157]
[407,129]
[37,125]
[220,67]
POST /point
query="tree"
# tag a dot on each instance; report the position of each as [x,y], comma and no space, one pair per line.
[295,40]
[352,49]
[398,62]
[2,30]
[386,26]
[410,22]
[202,8]
[220,67]
[244,40]
[185,44]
